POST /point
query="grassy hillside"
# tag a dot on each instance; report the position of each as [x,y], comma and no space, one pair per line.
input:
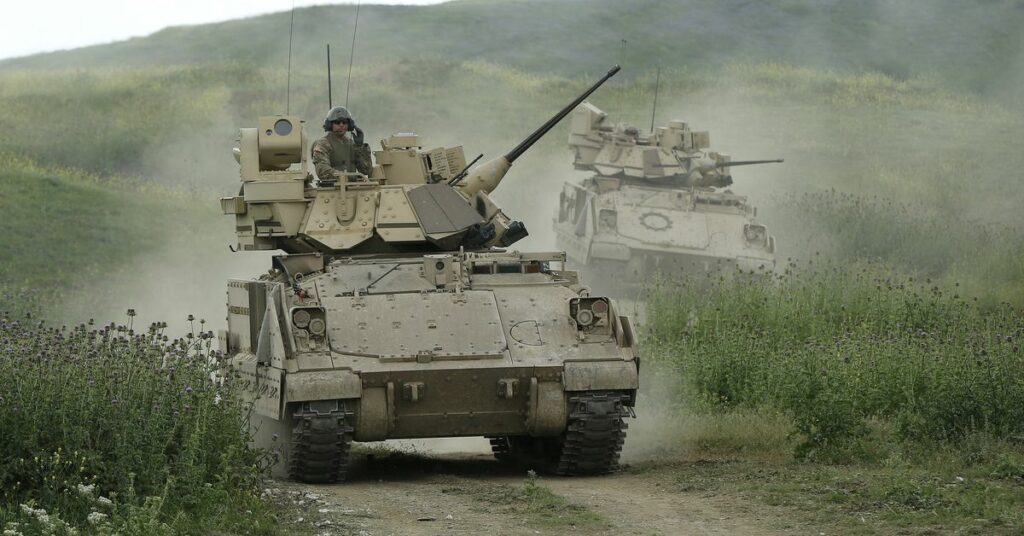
[70,236]
[974,45]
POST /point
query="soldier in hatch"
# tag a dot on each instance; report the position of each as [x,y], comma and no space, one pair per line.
[341,150]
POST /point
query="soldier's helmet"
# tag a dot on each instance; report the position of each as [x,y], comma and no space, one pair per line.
[336,113]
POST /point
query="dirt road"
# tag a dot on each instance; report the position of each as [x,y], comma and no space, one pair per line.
[467,492]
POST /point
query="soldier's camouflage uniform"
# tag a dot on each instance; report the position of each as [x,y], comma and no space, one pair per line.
[337,153]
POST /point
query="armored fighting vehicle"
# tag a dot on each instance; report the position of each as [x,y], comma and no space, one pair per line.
[652,206]
[398,311]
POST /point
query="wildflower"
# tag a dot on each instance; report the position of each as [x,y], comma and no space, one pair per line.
[103,501]
[86,491]
[38,513]
[188,390]
[96,518]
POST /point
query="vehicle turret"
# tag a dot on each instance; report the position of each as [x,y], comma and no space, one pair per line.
[412,199]
[673,154]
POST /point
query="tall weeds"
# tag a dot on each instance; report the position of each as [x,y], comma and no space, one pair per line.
[107,424]
[837,346]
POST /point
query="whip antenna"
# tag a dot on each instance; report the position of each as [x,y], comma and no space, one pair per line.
[330,102]
[657,83]
[622,96]
[352,55]
[288,92]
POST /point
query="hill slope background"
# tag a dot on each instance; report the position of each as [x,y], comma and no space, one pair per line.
[925,145]
[970,45]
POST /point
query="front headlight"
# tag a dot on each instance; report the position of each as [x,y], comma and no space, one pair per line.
[588,312]
[312,319]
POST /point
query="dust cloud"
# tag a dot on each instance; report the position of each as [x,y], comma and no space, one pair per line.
[188,276]
[661,426]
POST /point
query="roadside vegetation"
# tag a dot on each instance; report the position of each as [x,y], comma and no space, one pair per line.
[901,397]
[115,429]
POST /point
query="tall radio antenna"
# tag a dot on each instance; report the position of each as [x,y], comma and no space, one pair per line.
[330,102]
[657,83]
[622,96]
[352,55]
[288,92]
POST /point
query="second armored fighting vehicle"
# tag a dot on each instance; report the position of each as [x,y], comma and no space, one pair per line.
[651,207]
[397,311]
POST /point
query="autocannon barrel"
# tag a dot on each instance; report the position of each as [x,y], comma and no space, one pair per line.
[537,134]
[748,163]
[486,177]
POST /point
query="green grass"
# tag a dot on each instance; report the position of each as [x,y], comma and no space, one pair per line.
[164,450]
[67,232]
[837,345]
[889,403]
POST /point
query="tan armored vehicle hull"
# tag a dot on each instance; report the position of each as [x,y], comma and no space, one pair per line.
[625,233]
[451,344]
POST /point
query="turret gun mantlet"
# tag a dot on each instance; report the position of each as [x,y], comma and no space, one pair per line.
[672,155]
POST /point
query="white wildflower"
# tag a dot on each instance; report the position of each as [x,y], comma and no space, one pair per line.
[104,501]
[86,491]
[37,513]
[96,518]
